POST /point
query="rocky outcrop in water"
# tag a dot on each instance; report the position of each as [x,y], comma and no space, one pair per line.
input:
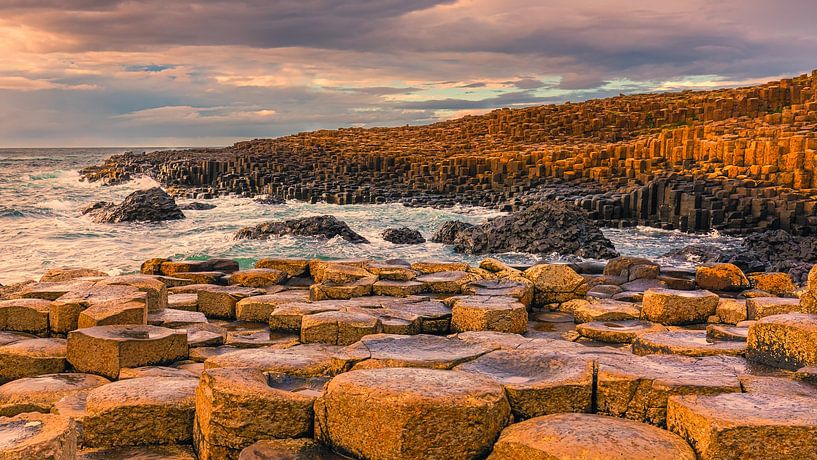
[448,232]
[197,206]
[326,226]
[270,199]
[545,228]
[403,235]
[152,205]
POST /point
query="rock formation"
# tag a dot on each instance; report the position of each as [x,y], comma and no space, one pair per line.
[325,226]
[403,235]
[152,205]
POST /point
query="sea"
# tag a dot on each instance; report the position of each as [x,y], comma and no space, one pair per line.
[41,226]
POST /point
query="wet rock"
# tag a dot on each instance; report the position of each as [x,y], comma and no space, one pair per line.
[687,343]
[426,351]
[574,436]
[39,394]
[270,200]
[35,436]
[672,307]
[544,228]
[324,226]
[411,414]
[746,425]
[147,410]
[786,341]
[152,205]
[448,232]
[617,331]
[403,235]
[697,253]
[32,357]
[288,449]
[169,452]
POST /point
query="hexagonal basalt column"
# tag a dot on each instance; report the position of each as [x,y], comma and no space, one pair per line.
[411,414]
[338,327]
[687,343]
[429,351]
[39,394]
[501,314]
[105,350]
[37,436]
[32,357]
[65,311]
[617,331]
[673,307]
[785,341]
[25,315]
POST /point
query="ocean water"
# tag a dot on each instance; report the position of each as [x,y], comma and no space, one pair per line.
[41,226]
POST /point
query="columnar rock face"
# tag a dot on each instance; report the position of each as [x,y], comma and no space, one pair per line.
[786,341]
[411,414]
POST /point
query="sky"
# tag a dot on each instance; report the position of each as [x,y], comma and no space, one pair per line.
[83,73]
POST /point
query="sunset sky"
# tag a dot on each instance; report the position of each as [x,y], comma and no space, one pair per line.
[211,72]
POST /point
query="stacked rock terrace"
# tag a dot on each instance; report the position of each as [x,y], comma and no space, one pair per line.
[735,160]
[312,359]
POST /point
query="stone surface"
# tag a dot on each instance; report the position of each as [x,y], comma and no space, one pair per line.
[39,394]
[617,331]
[37,436]
[428,351]
[761,307]
[411,414]
[288,449]
[580,436]
[220,301]
[673,307]
[480,313]
[721,277]
[69,273]
[259,308]
[257,277]
[169,452]
[25,315]
[32,357]
[786,341]
[445,282]
[735,426]
[687,343]
[605,310]
[292,267]
[338,328]
[403,235]
[731,311]
[555,283]
[312,360]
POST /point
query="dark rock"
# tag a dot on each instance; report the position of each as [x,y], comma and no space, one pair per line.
[326,226]
[447,234]
[270,199]
[197,206]
[775,251]
[544,228]
[403,235]
[152,205]
[698,253]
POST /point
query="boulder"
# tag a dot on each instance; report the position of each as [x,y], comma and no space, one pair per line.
[687,343]
[585,436]
[411,414]
[197,206]
[152,205]
[673,307]
[403,235]
[448,231]
[25,315]
[324,226]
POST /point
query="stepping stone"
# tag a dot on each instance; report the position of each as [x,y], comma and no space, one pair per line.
[39,394]
[721,277]
[55,290]
[341,291]
[617,331]
[637,387]
[261,338]
[502,287]
[220,301]
[492,339]
[716,332]
[428,351]
[113,313]
[205,335]
[259,308]
[746,425]
[257,277]
[538,382]
[435,317]
[672,307]
[25,315]
[313,360]
[70,273]
[605,310]
[731,311]
[154,371]
[202,277]
[785,341]
[397,288]
[323,272]
[338,328]
[155,290]
[761,307]
[291,267]
[687,343]
[105,350]
[292,449]
[765,384]
[411,414]
[586,436]
[32,357]
[11,337]
[237,407]
[65,311]
[555,283]
[175,319]
[391,272]
[434,266]
[172,452]
[146,410]
[288,316]
[202,354]
[501,314]
[775,283]
[186,302]
[445,282]
[37,436]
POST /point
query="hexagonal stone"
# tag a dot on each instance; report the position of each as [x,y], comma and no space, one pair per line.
[293,449]
[519,288]
[617,331]
[501,314]
[672,307]
[391,272]
[255,338]
[55,290]
[492,339]
[155,290]
[435,317]
[771,385]
[220,301]
[39,394]
[338,327]
[446,282]
[65,311]
[718,332]
[411,414]
[146,410]
[734,426]
[172,318]
[311,360]
[731,311]
[257,277]
[237,407]
[580,436]
[761,307]
[170,452]
[112,313]
[721,277]
[38,436]
[687,343]
[538,382]
[555,283]
[428,351]
[436,266]
[25,315]
[341,291]
[259,308]
[204,335]
[187,302]
[70,273]
[288,316]
[32,357]
[785,341]
[338,272]
[637,387]
[605,310]
[11,337]
[397,288]
[105,350]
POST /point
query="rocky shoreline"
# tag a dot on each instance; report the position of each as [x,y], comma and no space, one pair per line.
[314,359]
